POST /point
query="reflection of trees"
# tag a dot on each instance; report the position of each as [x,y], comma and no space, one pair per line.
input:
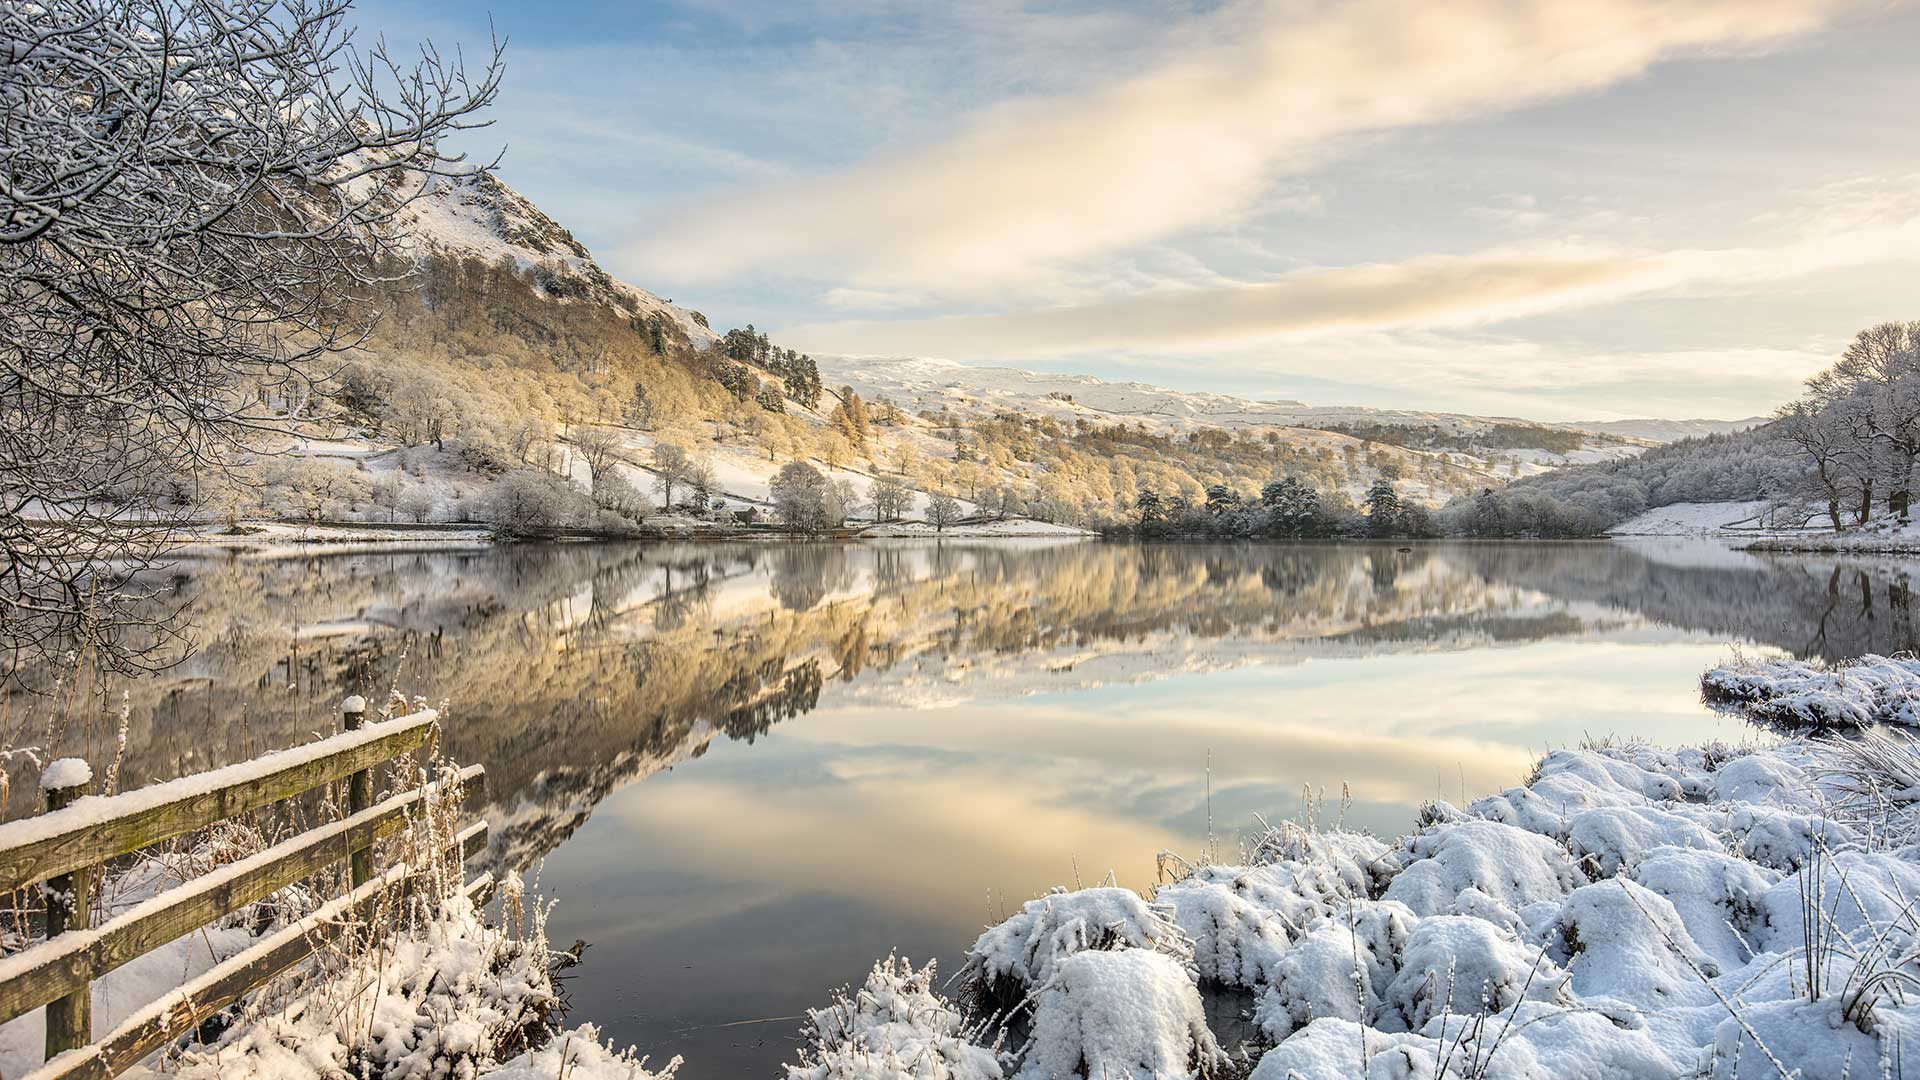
[572,669]
[779,695]
[803,574]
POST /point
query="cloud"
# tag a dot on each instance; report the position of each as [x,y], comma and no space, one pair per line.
[1424,292]
[1192,143]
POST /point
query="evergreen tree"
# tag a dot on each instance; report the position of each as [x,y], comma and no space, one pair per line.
[1383,508]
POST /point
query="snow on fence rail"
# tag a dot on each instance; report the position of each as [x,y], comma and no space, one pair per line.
[66,846]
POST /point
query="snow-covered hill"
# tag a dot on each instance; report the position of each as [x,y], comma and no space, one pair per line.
[479,215]
[917,384]
[1665,431]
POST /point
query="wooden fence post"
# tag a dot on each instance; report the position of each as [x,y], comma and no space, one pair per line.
[353,713]
[69,1019]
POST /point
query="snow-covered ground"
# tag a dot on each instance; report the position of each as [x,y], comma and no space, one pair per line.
[1695,519]
[1758,527]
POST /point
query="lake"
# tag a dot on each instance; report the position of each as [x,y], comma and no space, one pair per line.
[745,771]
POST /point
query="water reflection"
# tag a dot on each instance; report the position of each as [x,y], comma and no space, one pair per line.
[980,720]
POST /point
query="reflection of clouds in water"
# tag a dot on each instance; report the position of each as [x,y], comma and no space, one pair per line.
[858,799]
[929,844]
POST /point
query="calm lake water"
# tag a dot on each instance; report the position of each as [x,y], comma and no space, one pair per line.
[746,771]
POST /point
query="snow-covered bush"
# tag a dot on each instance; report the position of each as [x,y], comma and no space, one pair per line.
[895,1027]
[1129,1014]
[1460,964]
[580,1054]
[1020,954]
[1235,943]
[1621,940]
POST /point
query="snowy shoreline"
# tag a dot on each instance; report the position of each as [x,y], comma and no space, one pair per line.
[1627,912]
[350,537]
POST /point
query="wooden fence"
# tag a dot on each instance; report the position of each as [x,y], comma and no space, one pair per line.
[68,846]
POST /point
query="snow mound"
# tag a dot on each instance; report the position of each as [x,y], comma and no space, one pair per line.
[1511,865]
[66,772]
[1622,940]
[1460,964]
[1609,839]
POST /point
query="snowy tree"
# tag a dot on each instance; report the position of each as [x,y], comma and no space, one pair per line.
[942,510]
[804,499]
[1383,508]
[199,201]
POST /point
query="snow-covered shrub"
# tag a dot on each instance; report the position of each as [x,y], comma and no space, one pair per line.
[580,1054]
[895,1027]
[1459,964]
[1340,968]
[1011,959]
[447,997]
[1509,864]
[1130,1014]
[534,500]
[1352,858]
[1234,942]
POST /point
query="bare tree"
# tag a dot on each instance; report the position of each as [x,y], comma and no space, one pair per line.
[200,198]
[670,465]
[598,450]
[1827,440]
[890,498]
[943,510]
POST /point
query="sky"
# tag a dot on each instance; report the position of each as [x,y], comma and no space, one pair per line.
[1563,209]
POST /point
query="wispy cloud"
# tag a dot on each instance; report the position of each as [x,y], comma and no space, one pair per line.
[1426,292]
[1193,142]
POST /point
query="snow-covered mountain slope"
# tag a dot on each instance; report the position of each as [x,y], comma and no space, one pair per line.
[478,215]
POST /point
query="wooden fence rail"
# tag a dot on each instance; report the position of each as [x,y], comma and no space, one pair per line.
[67,846]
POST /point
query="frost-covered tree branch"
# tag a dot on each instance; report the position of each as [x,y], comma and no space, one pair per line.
[197,198]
